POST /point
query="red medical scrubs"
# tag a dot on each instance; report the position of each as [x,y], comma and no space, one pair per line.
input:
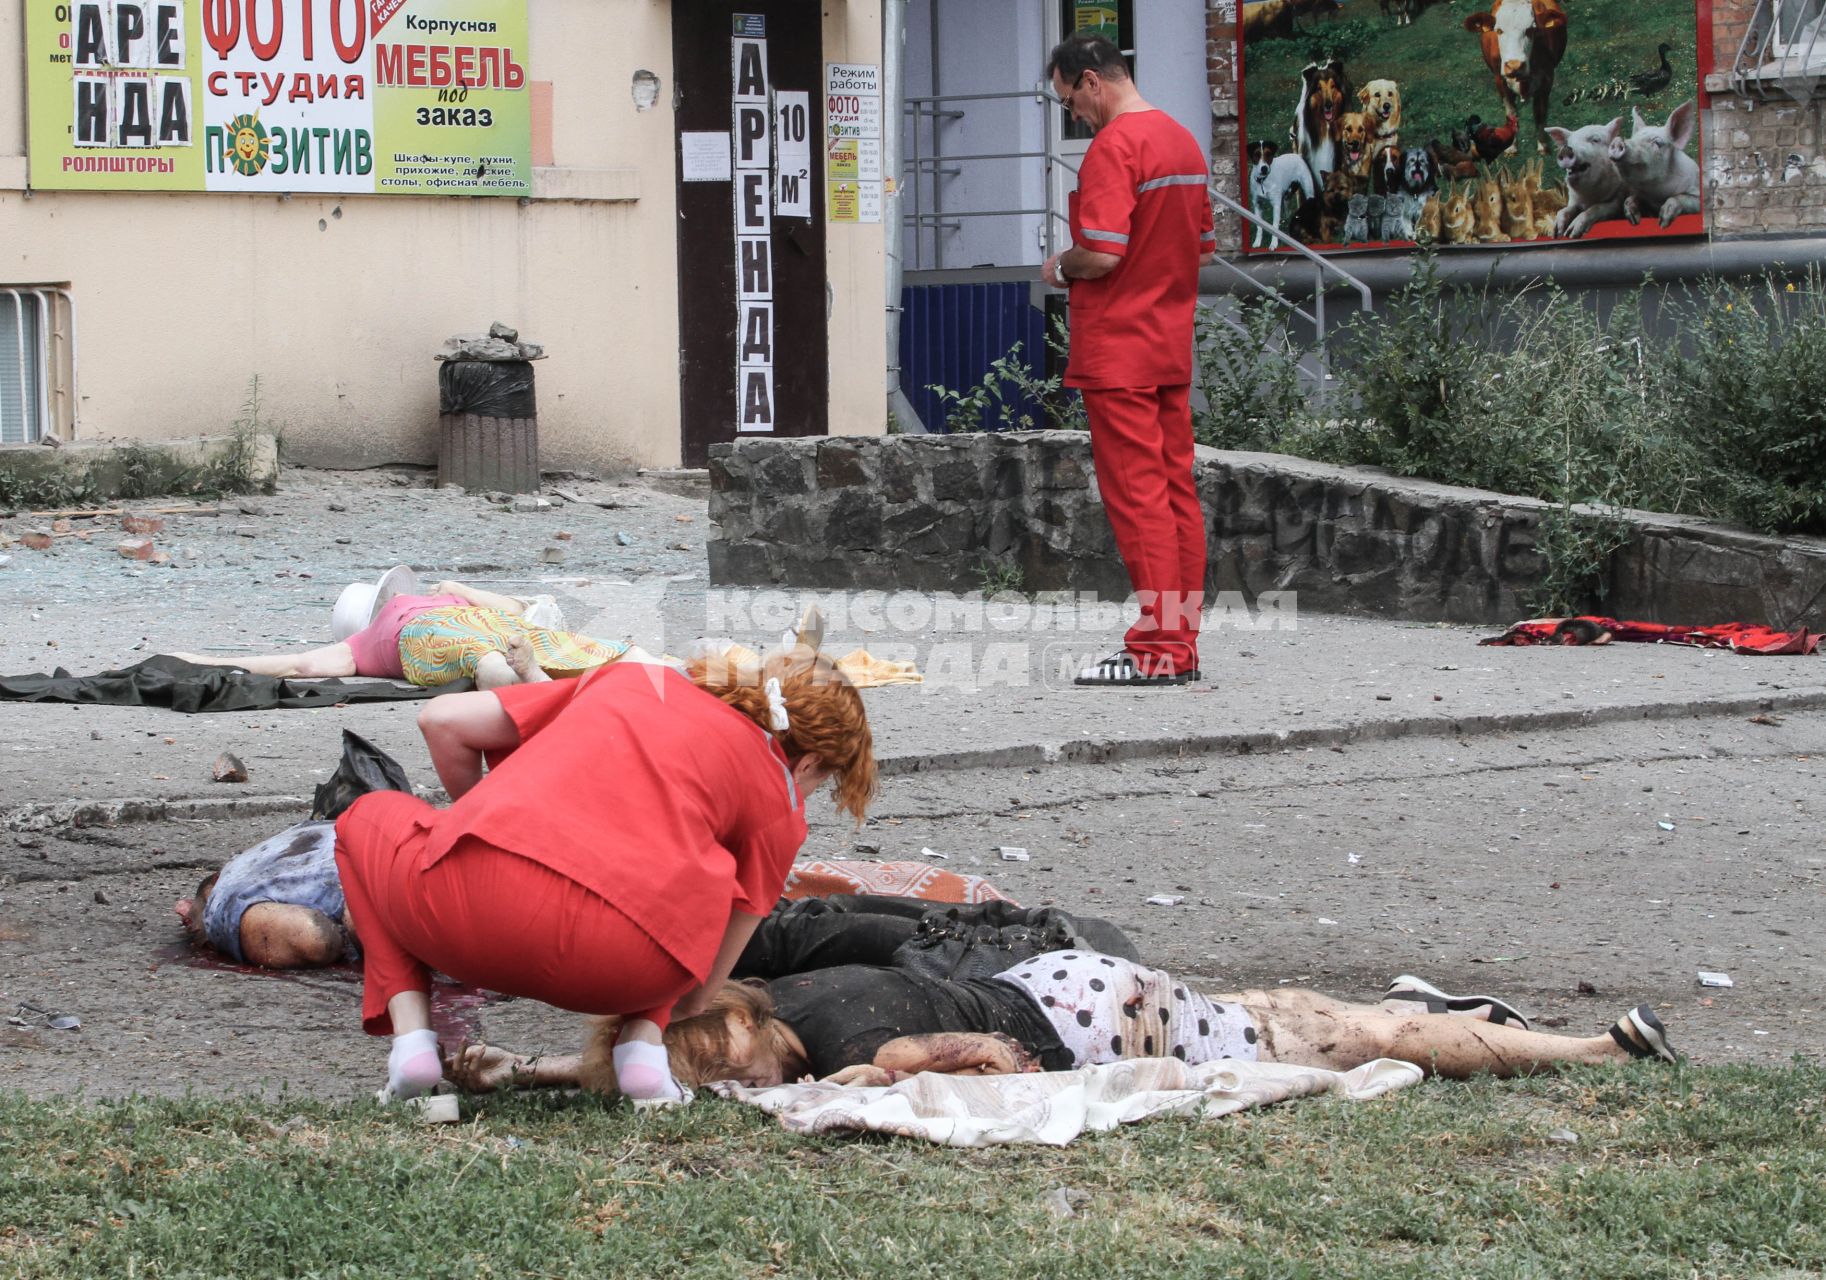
[1142,197]
[597,864]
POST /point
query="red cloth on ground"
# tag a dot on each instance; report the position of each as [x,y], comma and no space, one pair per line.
[489,918]
[1143,196]
[376,646]
[1739,637]
[1141,443]
[663,799]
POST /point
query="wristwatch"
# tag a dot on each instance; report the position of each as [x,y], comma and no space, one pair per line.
[1059,270]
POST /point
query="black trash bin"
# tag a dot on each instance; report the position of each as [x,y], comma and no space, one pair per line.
[488,419]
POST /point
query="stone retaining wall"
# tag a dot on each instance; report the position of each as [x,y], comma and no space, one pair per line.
[933,513]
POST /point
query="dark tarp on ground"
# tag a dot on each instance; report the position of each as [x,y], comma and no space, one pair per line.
[165,681]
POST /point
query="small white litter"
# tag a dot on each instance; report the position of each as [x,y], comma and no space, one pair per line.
[1709,979]
[934,853]
[1014,853]
[1165,900]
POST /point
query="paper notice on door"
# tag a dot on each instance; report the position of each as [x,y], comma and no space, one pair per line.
[704,157]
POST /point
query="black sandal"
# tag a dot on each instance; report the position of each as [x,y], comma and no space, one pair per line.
[1121,670]
[1640,1032]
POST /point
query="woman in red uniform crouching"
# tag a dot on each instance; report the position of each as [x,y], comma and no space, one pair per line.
[632,828]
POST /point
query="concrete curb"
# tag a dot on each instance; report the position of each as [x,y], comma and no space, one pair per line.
[28,818]
[64,814]
[1113,750]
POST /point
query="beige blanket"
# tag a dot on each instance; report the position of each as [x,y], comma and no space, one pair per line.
[1052,1108]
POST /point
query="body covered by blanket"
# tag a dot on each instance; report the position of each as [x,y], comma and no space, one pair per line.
[1739,637]
[1053,1107]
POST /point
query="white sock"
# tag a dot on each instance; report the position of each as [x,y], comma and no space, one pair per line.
[643,1071]
[413,1066]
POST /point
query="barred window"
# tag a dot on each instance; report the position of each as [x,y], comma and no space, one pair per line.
[22,366]
[37,348]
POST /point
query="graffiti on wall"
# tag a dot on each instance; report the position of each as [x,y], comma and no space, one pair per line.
[1372,123]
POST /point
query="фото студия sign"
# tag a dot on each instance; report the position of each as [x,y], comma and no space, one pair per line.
[422,97]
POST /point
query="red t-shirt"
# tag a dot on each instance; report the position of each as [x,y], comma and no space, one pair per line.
[1142,196]
[668,803]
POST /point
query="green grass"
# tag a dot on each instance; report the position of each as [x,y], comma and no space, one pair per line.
[1442,74]
[1709,1172]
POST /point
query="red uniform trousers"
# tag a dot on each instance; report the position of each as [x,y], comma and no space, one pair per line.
[1141,442]
[488,918]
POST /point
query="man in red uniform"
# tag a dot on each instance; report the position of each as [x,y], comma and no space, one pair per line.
[1141,227]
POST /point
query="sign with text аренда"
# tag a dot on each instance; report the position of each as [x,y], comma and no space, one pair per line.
[751,129]
[377,96]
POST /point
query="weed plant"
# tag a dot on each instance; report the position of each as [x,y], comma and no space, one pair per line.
[1751,393]
[140,470]
[1008,393]
[1248,372]
[1536,393]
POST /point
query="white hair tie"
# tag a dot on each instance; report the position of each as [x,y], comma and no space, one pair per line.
[777,718]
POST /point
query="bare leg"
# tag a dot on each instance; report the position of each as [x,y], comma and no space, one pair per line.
[313,664]
[410,1011]
[1308,1029]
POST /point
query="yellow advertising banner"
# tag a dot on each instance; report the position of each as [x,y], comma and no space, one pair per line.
[381,96]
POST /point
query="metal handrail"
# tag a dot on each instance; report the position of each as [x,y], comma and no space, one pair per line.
[1322,268]
[1758,70]
[920,107]
[1322,264]
[1326,273]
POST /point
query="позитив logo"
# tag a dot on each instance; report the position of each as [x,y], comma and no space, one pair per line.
[248,145]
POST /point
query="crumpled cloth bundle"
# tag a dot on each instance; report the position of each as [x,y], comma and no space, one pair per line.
[821,879]
[1051,1108]
[862,668]
[1739,637]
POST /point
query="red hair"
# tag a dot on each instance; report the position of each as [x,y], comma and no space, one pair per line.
[827,719]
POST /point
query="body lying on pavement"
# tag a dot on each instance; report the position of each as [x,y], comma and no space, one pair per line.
[1059,1011]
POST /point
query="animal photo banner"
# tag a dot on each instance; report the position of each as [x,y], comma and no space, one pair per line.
[1373,123]
[418,97]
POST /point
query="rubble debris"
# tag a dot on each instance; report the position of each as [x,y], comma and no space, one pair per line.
[1707,978]
[135,548]
[228,768]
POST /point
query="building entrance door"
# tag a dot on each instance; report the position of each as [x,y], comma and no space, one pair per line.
[1115,20]
[753,350]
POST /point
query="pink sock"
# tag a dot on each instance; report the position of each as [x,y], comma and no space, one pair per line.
[413,1066]
[643,1072]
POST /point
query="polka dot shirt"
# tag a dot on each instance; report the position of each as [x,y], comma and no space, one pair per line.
[1105,1010]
